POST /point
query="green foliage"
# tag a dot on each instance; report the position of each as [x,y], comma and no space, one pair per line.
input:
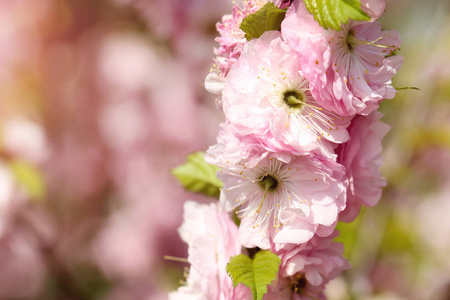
[399,237]
[331,13]
[90,282]
[426,137]
[81,281]
[198,176]
[269,17]
[256,274]
[348,234]
[29,178]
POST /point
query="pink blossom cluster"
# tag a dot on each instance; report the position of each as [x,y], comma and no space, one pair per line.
[300,148]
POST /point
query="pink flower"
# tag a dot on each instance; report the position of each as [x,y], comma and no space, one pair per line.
[231,43]
[22,265]
[349,70]
[25,235]
[8,191]
[179,17]
[306,269]
[267,97]
[24,139]
[21,34]
[213,239]
[232,38]
[374,8]
[214,84]
[233,150]
[361,157]
[283,198]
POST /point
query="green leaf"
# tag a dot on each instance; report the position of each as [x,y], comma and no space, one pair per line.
[269,17]
[30,178]
[256,274]
[331,13]
[196,175]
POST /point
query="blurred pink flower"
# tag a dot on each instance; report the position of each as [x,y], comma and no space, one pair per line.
[24,139]
[361,157]
[22,265]
[20,25]
[24,236]
[119,108]
[213,239]
[147,127]
[8,191]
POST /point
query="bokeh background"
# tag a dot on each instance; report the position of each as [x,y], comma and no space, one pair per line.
[99,99]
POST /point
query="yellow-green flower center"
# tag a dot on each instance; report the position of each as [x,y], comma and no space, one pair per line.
[268,183]
[293,99]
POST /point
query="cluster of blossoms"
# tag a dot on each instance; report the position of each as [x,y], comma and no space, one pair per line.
[300,148]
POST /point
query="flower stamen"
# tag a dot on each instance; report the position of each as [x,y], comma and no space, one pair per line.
[268,183]
[353,41]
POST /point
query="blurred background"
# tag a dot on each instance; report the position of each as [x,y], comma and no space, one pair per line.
[99,99]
